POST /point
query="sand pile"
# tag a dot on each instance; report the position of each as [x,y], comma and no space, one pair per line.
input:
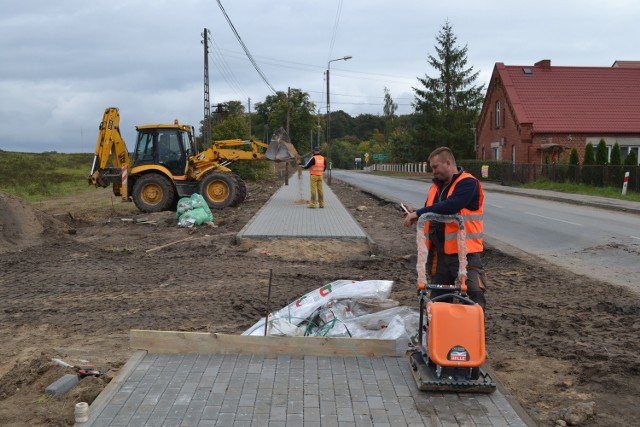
[21,225]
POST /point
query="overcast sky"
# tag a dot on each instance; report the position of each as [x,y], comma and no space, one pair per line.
[63,62]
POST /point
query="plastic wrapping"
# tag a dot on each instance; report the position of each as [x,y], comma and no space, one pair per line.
[192,211]
[344,309]
[423,251]
[299,310]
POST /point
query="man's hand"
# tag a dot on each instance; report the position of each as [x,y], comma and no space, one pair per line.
[410,219]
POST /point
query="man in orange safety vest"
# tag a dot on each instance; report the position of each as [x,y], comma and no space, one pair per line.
[453,191]
[316,166]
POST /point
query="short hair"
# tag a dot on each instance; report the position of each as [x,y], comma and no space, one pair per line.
[443,152]
[316,148]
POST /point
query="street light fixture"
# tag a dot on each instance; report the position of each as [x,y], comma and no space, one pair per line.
[344,58]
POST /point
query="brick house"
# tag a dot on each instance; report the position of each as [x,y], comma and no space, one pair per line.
[535,112]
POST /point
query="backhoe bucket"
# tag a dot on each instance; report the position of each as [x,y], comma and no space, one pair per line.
[280,148]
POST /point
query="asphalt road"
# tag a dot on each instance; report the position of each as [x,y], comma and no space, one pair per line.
[602,244]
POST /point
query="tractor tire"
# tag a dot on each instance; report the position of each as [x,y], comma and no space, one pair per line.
[241,194]
[219,189]
[154,193]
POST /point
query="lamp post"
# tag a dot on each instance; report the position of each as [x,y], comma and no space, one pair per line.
[344,58]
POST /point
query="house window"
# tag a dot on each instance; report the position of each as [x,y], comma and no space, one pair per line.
[497,114]
[513,157]
[496,151]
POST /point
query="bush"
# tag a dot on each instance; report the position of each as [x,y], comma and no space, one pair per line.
[253,170]
[587,163]
[631,159]
[497,168]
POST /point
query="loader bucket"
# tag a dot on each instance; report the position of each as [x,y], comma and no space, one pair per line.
[280,147]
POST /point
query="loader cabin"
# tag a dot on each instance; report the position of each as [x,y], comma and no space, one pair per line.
[534,114]
[167,145]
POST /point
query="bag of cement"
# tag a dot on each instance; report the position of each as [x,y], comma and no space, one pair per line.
[299,310]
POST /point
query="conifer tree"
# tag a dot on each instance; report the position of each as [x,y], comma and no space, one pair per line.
[588,164]
[448,104]
[616,159]
[631,159]
[574,165]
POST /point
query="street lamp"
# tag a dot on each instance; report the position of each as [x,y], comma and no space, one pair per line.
[344,58]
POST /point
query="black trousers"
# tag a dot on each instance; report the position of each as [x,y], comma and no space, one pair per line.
[447,272]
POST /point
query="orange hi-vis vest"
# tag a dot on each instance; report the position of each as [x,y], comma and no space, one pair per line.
[473,221]
[318,167]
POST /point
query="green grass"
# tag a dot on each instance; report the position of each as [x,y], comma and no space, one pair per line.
[41,176]
[615,193]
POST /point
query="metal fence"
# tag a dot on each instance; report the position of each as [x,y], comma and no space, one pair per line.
[510,174]
[596,175]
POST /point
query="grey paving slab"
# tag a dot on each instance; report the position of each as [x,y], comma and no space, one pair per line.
[388,396]
[287,214]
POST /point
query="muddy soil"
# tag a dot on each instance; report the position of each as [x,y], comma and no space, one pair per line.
[79,273]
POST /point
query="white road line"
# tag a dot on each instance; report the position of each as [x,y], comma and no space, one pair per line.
[554,219]
[494,205]
[635,237]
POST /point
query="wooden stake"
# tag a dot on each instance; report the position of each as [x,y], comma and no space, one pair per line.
[266,317]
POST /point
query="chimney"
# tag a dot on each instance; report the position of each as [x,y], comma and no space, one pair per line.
[544,63]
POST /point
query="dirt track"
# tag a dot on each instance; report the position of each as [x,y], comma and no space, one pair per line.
[76,279]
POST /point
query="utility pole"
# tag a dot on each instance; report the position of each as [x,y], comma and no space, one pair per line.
[344,58]
[286,162]
[249,104]
[288,108]
[206,131]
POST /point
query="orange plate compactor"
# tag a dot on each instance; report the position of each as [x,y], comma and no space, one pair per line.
[450,348]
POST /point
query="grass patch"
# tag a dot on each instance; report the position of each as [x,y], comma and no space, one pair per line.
[610,192]
[41,176]
[575,188]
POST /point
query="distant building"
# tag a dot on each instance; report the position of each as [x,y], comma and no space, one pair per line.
[535,112]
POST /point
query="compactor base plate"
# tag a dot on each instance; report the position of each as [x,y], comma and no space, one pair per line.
[426,378]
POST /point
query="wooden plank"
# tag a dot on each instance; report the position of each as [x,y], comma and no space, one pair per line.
[211,343]
[110,390]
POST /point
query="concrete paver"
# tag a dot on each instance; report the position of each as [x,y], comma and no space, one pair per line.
[297,390]
[287,215]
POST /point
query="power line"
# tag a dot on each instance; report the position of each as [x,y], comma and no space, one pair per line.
[244,47]
[225,70]
[335,29]
[315,68]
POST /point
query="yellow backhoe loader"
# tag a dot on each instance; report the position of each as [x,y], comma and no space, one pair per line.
[165,164]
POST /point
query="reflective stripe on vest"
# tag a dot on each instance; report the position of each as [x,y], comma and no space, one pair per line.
[473,221]
[318,167]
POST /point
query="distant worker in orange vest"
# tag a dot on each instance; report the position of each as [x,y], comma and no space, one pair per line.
[453,191]
[316,166]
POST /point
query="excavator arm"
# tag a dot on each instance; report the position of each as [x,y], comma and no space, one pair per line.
[111,154]
[229,150]
[279,149]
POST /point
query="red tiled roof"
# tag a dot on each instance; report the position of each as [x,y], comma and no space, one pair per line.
[574,99]
[628,64]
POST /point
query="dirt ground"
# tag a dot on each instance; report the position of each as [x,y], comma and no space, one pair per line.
[76,278]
